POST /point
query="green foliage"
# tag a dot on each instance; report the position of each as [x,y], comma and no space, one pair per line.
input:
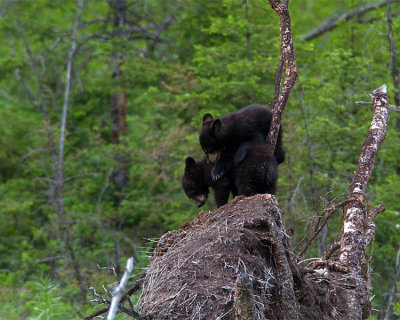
[215,56]
[38,299]
[45,303]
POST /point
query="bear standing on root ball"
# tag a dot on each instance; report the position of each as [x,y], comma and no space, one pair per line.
[196,182]
[257,173]
[235,134]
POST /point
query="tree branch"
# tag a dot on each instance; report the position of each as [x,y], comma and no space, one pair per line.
[288,57]
[117,293]
[329,211]
[60,168]
[375,137]
[67,90]
[332,22]
[131,291]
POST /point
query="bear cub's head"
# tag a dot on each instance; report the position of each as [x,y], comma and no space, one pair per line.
[209,135]
[194,182]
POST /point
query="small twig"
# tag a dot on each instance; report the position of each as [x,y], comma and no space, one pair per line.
[308,260]
[324,208]
[331,249]
[364,102]
[294,193]
[329,212]
[132,290]
[389,106]
[107,291]
[130,304]
[377,210]
[370,225]
[44,260]
[331,265]
[393,108]
[99,298]
[109,268]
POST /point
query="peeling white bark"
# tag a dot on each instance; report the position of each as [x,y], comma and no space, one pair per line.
[358,226]
[351,215]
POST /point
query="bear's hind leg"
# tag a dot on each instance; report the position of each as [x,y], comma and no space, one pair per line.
[221,191]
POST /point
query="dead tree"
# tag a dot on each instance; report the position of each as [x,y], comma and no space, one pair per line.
[56,185]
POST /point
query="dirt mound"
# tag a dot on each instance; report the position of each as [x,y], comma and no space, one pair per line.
[194,270]
[231,263]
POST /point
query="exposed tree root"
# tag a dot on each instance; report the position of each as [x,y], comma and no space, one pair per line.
[235,263]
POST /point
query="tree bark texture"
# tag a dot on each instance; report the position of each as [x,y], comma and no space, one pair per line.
[353,242]
[60,168]
[118,111]
[288,59]
[358,226]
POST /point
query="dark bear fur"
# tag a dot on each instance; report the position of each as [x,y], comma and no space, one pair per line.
[196,182]
[257,173]
[236,133]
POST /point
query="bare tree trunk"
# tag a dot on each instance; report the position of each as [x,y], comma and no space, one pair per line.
[118,107]
[119,129]
[353,241]
[358,226]
[60,167]
[120,175]
[56,186]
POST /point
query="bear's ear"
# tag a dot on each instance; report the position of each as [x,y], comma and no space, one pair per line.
[207,118]
[216,125]
[190,162]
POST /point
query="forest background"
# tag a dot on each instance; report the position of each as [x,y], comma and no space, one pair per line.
[101,101]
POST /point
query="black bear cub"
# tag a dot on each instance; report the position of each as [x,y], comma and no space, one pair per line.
[257,173]
[235,134]
[196,182]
